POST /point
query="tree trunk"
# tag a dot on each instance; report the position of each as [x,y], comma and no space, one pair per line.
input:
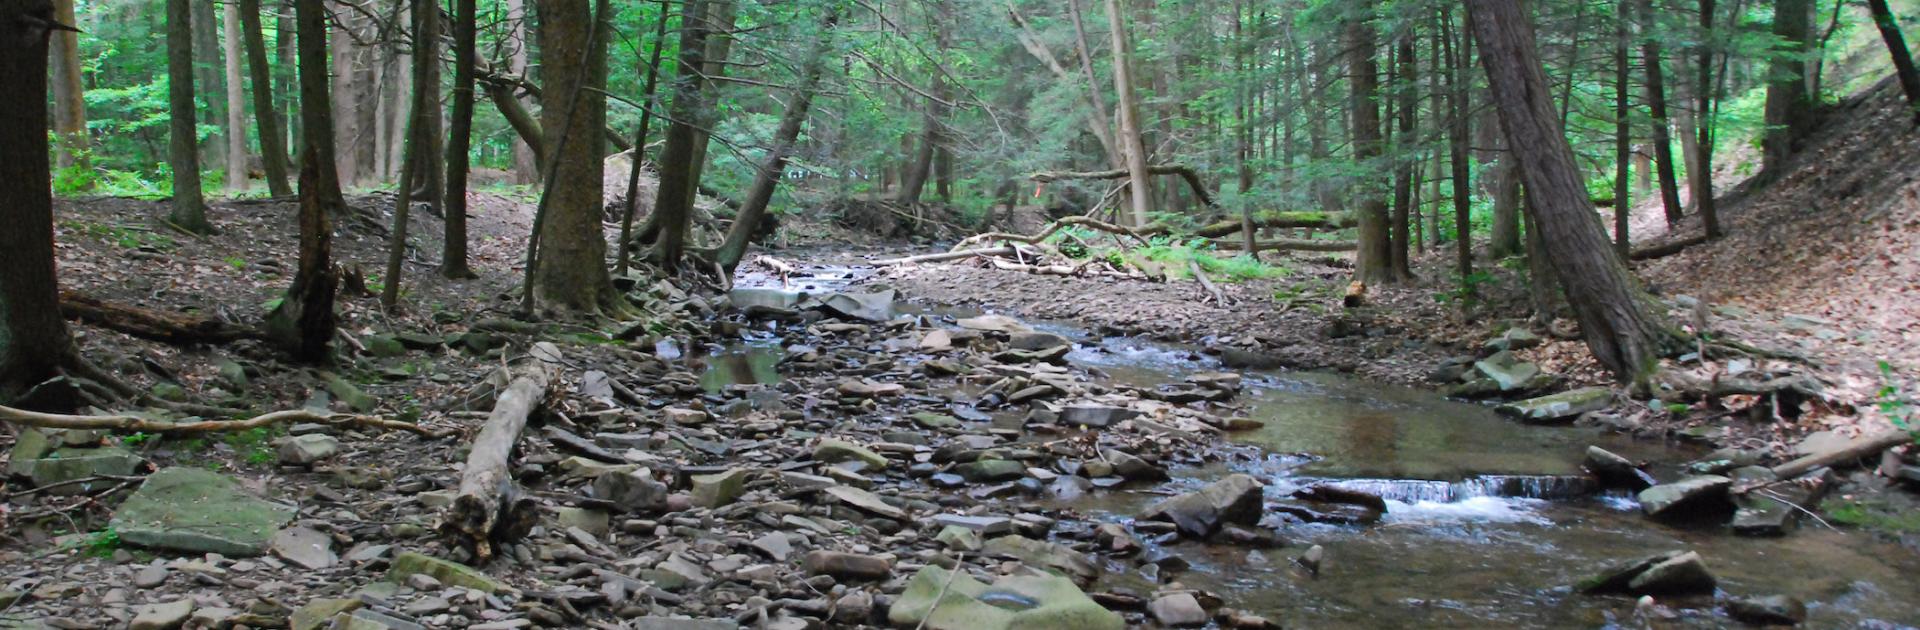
[1789,105]
[1101,119]
[1504,240]
[526,165]
[1458,60]
[304,323]
[273,148]
[721,15]
[183,156]
[237,162]
[915,179]
[673,200]
[1403,178]
[69,101]
[34,342]
[625,244]
[746,223]
[346,100]
[1622,137]
[209,80]
[1657,107]
[284,84]
[1621,327]
[571,266]
[1897,48]
[453,257]
[1373,264]
[1702,175]
[1141,193]
[419,169]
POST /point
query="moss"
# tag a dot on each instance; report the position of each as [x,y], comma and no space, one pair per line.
[1876,515]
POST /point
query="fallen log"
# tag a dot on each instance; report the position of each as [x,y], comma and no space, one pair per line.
[1666,249]
[1192,178]
[1082,221]
[1219,299]
[1007,250]
[1316,220]
[1292,244]
[490,507]
[148,425]
[1859,449]
[161,326]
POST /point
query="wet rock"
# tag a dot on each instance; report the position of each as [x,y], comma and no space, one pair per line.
[1094,415]
[162,616]
[1243,359]
[834,451]
[719,489]
[1234,499]
[936,599]
[1055,355]
[197,511]
[447,572]
[1224,381]
[307,450]
[630,491]
[69,465]
[1045,555]
[1328,513]
[1556,408]
[1335,493]
[1515,338]
[1134,468]
[1037,341]
[1703,496]
[865,502]
[1684,574]
[1311,559]
[1776,610]
[1615,471]
[867,307]
[1776,511]
[994,323]
[993,471]
[847,565]
[1178,610]
[305,548]
[1506,371]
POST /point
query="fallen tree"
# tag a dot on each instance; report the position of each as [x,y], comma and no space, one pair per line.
[1291,244]
[172,328]
[1666,249]
[490,507]
[1314,220]
[974,241]
[1192,178]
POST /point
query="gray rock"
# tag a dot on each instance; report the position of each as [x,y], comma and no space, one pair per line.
[681,623]
[1776,610]
[865,502]
[1037,341]
[847,565]
[1556,408]
[232,375]
[1044,555]
[1698,496]
[832,451]
[1684,574]
[196,511]
[994,323]
[383,346]
[447,572]
[630,491]
[307,450]
[719,489]
[162,616]
[1094,415]
[935,421]
[69,464]
[854,607]
[350,395]
[867,307]
[1178,610]
[1132,468]
[1506,371]
[936,599]
[776,545]
[989,525]
[1615,471]
[305,547]
[1515,338]
[593,522]
[367,619]
[1234,499]
[151,576]
[992,470]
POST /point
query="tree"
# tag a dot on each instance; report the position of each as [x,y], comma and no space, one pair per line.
[34,342]
[236,104]
[570,264]
[1140,182]
[673,200]
[1403,174]
[1789,104]
[1657,107]
[933,111]
[69,99]
[1897,47]
[1617,318]
[1458,60]
[273,145]
[1373,264]
[189,206]
[453,258]
[420,169]
[1622,136]
[752,211]
[624,255]
[303,323]
[1701,175]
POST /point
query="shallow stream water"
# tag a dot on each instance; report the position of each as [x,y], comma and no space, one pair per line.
[1488,520]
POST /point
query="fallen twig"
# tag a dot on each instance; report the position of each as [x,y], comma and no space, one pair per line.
[147,425]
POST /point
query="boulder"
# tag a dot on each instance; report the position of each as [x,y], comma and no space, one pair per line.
[1684,574]
[866,307]
[1178,610]
[1701,496]
[1234,499]
[719,489]
[1556,408]
[1776,610]
[307,450]
[1506,371]
[936,599]
[1615,471]
[196,511]
[447,572]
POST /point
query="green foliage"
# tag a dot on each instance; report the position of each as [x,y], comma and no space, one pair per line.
[1464,293]
[1875,514]
[1898,408]
[101,544]
[1176,255]
[137,439]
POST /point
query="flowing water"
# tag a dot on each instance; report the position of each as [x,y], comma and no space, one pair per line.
[1488,520]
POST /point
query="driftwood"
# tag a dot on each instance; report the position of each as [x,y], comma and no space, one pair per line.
[1007,250]
[1219,299]
[1292,244]
[1086,222]
[1863,448]
[172,328]
[490,507]
[1188,174]
[148,425]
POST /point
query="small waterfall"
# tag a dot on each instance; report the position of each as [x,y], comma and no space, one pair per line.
[1503,486]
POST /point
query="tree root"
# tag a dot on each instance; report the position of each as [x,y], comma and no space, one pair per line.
[145,425]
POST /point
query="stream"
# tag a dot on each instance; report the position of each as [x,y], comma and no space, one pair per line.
[1488,520]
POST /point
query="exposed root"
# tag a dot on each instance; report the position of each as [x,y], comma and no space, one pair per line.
[146,425]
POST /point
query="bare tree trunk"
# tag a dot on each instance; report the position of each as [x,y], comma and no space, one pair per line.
[1897,47]
[34,342]
[1403,178]
[346,100]
[237,162]
[422,143]
[747,222]
[1625,332]
[209,81]
[189,207]
[1504,239]
[1789,105]
[1622,137]
[304,323]
[526,166]
[571,264]
[1373,264]
[1459,59]
[285,85]
[1101,119]
[273,148]
[625,244]
[722,14]
[69,100]
[673,200]
[1702,176]
[453,257]
[1141,184]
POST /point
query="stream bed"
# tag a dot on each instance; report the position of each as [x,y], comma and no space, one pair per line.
[1488,520]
